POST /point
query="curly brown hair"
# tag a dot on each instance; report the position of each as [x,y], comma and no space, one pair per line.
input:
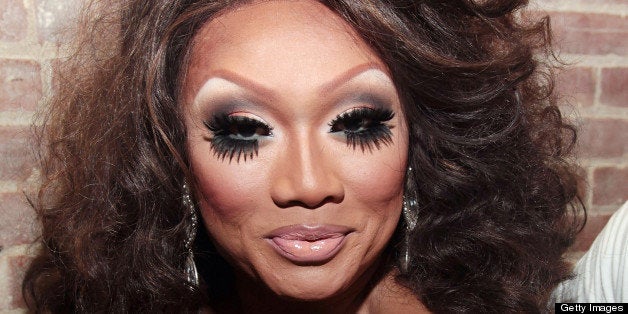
[496,192]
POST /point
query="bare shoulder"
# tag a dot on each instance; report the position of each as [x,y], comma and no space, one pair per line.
[206,310]
[389,296]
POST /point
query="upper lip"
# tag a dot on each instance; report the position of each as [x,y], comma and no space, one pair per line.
[309,232]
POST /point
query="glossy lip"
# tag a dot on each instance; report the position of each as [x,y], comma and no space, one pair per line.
[305,244]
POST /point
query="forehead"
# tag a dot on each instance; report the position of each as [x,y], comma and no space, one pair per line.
[282,44]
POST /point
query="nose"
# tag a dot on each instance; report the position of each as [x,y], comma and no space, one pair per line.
[306,177]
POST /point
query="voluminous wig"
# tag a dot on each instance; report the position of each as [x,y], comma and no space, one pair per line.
[488,148]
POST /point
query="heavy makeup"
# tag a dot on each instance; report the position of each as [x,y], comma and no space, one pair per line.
[298,145]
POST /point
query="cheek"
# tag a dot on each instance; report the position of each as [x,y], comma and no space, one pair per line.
[227,191]
[378,178]
[227,198]
[377,184]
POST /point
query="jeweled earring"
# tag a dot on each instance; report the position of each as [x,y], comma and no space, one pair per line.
[190,266]
[410,216]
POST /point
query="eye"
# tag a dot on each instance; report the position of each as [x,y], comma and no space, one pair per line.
[364,127]
[236,136]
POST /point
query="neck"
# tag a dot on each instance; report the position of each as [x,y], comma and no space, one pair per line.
[375,292]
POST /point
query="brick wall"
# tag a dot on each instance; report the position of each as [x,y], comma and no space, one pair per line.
[591,34]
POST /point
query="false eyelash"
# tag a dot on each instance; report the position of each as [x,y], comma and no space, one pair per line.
[225,143]
[372,129]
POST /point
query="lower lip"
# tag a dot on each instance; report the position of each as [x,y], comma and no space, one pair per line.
[301,251]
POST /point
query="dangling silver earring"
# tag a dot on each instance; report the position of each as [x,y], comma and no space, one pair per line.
[410,216]
[190,266]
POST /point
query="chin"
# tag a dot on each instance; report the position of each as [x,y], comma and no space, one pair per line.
[312,283]
[309,292]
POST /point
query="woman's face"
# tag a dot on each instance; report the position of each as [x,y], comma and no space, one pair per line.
[298,144]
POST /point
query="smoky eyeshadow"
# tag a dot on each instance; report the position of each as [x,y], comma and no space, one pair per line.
[226,105]
[375,100]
